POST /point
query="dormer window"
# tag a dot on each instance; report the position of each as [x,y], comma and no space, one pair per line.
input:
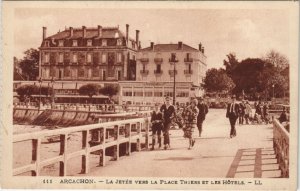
[89,42]
[75,43]
[119,42]
[47,43]
[60,43]
[104,42]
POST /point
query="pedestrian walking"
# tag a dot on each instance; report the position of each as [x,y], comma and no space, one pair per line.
[157,125]
[203,110]
[168,111]
[190,115]
[232,115]
[248,112]
[241,112]
[265,112]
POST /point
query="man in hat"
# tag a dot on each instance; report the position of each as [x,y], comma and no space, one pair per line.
[233,114]
[203,110]
[157,125]
[168,111]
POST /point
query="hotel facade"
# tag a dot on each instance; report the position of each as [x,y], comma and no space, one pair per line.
[155,72]
[109,57]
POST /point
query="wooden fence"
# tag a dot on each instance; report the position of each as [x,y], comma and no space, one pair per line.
[281,147]
[125,131]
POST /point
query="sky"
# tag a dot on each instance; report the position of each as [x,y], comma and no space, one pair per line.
[245,32]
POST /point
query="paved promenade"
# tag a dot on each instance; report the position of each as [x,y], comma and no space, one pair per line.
[248,155]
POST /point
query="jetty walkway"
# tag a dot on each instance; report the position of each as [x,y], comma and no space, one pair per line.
[121,149]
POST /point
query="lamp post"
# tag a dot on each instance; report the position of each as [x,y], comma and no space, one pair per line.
[273,91]
[40,98]
[52,95]
[174,61]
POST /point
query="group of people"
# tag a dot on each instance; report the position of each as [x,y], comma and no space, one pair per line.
[190,117]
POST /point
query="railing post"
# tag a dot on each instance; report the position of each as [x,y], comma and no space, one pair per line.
[103,142]
[128,135]
[138,141]
[85,158]
[147,133]
[116,138]
[63,151]
[36,144]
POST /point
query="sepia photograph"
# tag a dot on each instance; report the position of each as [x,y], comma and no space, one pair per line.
[140,95]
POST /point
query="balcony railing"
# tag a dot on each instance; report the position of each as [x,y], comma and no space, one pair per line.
[158,72]
[188,60]
[144,72]
[171,72]
[188,72]
[144,59]
[158,60]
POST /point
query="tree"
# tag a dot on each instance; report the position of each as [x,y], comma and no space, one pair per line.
[276,59]
[30,64]
[45,90]
[216,80]
[17,70]
[109,91]
[26,91]
[231,64]
[89,90]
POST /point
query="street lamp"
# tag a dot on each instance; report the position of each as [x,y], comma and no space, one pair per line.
[273,90]
[174,61]
[40,98]
[52,95]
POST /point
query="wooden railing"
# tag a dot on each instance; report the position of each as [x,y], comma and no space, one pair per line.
[109,134]
[281,147]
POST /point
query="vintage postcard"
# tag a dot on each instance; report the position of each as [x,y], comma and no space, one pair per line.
[150,95]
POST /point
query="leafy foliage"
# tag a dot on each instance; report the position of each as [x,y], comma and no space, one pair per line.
[89,90]
[25,91]
[109,90]
[216,80]
[276,59]
[30,64]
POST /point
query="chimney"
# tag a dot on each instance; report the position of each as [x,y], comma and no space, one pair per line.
[137,35]
[44,33]
[180,45]
[200,47]
[140,46]
[127,33]
[83,31]
[71,32]
[99,30]
[152,46]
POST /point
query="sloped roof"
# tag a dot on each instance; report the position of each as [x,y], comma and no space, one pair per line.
[169,47]
[109,32]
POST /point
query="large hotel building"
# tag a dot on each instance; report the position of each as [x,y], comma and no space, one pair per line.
[107,56]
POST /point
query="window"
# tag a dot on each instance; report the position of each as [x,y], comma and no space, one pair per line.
[61,57]
[103,58]
[75,43]
[111,58]
[46,57]
[148,94]
[89,58]
[158,94]
[188,55]
[60,43]
[74,58]
[89,42]
[67,72]
[138,93]
[104,42]
[127,93]
[190,67]
[47,43]
[119,57]
[119,42]
[182,94]
[158,68]
[144,67]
